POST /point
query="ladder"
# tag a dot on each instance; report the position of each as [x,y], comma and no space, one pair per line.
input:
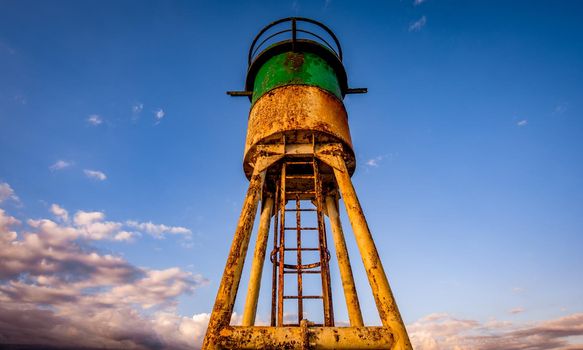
[299,191]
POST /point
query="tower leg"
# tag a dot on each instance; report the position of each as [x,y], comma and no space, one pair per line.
[257,266]
[221,315]
[352,304]
[386,305]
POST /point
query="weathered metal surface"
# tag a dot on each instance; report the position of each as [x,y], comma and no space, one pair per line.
[227,292]
[250,310]
[295,68]
[350,294]
[386,305]
[300,114]
[317,338]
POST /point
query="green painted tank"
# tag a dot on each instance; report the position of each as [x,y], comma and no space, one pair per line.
[296,87]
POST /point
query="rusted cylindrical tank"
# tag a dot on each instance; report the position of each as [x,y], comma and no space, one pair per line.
[297,86]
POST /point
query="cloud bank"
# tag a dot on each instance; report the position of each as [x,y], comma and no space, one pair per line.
[445,332]
[57,290]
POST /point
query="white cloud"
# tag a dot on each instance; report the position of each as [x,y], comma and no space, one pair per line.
[95,174]
[60,164]
[442,331]
[157,230]
[418,25]
[374,162]
[418,2]
[7,193]
[94,120]
[59,212]
[522,123]
[56,291]
[158,115]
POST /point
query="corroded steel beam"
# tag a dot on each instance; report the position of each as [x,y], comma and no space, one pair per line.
[227,292]
[257,265]
[350,294]
[317,338]
[381,290]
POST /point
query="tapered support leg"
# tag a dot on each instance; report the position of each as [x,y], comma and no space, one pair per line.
[352,304]
[388,311]
[257,266]
[227,292]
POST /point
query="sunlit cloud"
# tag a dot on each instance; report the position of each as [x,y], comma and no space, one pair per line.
[59,165]
[418,25]
[522,123]
[443,331]
[7,193]
[59,212]
[94,120]
[95,174]
[58,291]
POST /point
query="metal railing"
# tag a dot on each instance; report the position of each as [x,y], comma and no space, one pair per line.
[282,35]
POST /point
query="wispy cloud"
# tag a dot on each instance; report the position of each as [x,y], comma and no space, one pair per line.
[159,114]
[157,230]
[137,109]
[516,310]
[517,290]
[7,193]
[94,120]
[560,108]
[374,162]
[59,165]
[418,2]
[95,174]
[443,331]
[57,290]
[418,24]
[521,123]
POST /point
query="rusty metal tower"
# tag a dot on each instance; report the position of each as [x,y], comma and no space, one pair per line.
[299,161]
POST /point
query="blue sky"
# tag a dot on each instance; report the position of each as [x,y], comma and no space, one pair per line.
[468,144]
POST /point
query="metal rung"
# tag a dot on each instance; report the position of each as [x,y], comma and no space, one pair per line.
[299,177]
[302,297]
[302,271]
[299,192]
[301,228]
[298,162]
[300,210]
[297,325]
[316,249]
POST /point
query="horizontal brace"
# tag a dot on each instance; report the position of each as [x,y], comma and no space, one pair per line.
[318,338]
[300,210]
[301,228]
[302,297]
[356,90]
[239,93]
[302,271]
[302,249]
[297,325]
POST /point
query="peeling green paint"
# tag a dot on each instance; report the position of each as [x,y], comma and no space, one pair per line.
[295,68]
